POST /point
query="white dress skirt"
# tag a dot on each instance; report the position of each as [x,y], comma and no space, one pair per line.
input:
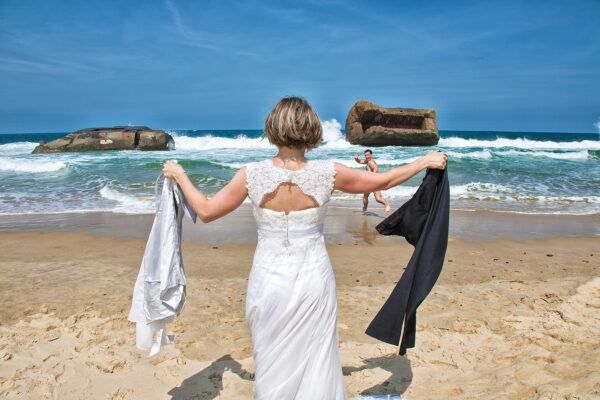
[291,304]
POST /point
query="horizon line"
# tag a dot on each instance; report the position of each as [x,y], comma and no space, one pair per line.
[260,129]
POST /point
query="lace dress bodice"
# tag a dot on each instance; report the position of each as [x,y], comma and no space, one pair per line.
[316,180]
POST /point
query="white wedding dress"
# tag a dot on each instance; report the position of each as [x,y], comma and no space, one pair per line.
[291,304]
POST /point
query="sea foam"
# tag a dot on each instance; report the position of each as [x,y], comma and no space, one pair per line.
[210,142]
[474,154]
[17,148]
[519,143]
[127,203]
[568,155]
[30,166]
[234,165]
[333,136]
[480,191]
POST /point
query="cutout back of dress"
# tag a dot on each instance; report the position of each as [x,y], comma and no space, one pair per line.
[282,190]
[286,198]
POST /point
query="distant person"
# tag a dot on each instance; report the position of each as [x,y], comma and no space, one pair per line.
[372,167]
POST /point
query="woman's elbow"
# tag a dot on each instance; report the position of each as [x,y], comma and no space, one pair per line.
[206,218]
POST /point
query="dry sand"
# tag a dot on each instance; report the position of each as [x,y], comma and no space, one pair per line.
[505,321]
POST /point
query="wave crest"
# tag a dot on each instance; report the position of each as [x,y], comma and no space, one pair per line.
[519,143]
[333,136]
[128,204]
[30,166]
[569,155]
[475,154]
[17,148]
[210,142]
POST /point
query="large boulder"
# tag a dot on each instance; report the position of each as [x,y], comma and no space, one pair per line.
[117,138]
[371,125]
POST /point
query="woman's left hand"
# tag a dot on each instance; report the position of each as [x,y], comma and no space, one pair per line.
[172,170]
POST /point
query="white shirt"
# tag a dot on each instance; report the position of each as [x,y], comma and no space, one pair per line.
[159,292]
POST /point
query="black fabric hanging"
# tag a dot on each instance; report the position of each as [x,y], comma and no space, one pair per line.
[423,221]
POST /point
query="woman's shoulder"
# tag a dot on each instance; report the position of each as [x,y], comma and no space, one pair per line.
[322,169]
[321,163]
[255,164]
[326,166]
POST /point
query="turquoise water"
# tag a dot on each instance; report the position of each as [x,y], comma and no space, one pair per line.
[509,171]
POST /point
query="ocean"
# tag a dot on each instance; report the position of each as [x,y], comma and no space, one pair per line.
[519,172]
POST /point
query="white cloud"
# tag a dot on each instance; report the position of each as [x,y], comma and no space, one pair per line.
[597,125]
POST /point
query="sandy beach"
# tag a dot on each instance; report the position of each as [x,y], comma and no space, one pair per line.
[511,319]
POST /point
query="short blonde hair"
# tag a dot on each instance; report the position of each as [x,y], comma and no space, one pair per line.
[293,123]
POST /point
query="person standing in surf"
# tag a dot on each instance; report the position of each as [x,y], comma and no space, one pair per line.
[372,167]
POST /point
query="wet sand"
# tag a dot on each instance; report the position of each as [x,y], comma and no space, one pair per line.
[507,319]
[342,224]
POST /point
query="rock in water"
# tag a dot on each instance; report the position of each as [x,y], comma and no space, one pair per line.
[117,138]
[371,125]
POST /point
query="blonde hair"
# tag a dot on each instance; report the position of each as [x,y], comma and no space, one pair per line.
[293,123]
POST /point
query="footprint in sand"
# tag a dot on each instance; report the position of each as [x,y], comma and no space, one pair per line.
[121,394]
[107,366]
[168,377]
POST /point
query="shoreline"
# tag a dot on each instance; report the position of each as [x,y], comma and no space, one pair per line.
[342,225]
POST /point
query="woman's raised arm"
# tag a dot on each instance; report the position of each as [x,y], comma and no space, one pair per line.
[356,181]
[230,197]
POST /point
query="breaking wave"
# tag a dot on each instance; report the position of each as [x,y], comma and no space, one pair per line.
[127,203]
[30,166]
[519,143]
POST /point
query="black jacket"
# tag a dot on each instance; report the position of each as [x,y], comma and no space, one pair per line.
[423,221]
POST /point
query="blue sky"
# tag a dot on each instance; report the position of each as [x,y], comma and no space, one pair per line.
[173,64]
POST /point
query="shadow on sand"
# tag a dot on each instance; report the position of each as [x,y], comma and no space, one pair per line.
[208,383]
[397,383]
[372,214]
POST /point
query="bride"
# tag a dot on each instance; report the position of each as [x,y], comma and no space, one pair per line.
[291,305]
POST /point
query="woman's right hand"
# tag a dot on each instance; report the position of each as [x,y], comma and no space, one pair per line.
[172,170]
[436,160]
